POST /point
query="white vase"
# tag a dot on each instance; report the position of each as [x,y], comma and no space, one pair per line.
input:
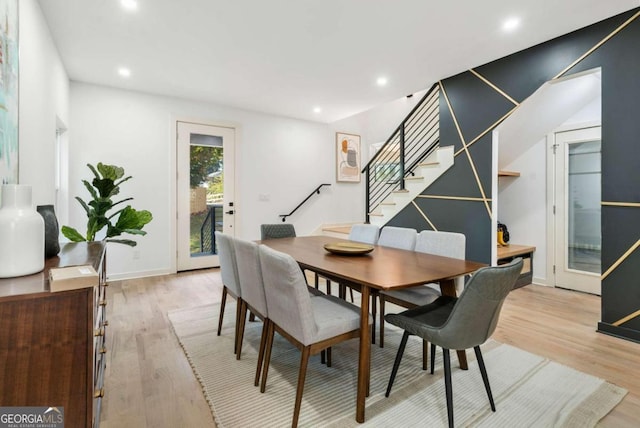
[21,233]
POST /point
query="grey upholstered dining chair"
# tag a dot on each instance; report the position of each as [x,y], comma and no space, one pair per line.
[447,244]
[253,297]
[286,230]
[459,323]
[365,233]
[310,324]
[403,238]
[230,281]
[277,231]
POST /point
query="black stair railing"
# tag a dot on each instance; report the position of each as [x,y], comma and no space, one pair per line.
[413,140]
[316,190]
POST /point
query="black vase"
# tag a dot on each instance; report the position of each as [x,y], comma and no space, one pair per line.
[51,231]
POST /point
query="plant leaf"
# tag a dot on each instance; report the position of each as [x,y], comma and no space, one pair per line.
[72,234]
[84,205]
[105,187]
[90,189]
[110,172]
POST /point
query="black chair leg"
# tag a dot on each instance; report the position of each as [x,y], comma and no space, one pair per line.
[447,385]
[485,378]
[396,363]
[433,357]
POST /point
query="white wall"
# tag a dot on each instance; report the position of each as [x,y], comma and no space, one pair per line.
[44,97]
[524,201]
[377,124]
[282,157]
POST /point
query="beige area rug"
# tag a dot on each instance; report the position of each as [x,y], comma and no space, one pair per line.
[528,390]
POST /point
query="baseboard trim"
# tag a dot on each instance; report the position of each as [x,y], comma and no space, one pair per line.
[140,274]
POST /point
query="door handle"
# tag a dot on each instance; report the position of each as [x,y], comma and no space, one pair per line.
[229,212]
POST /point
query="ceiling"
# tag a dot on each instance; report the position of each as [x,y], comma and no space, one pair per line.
[286,57]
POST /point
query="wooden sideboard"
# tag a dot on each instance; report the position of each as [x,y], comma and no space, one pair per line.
[52,345]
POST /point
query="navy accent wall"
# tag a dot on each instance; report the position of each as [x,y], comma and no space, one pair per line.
[477,107]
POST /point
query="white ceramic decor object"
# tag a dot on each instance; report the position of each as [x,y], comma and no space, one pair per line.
[21,233]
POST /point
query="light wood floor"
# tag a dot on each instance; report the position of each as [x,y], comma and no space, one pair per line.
[149,382]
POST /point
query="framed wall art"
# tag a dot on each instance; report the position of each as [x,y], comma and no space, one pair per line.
[8,91]
[347,158]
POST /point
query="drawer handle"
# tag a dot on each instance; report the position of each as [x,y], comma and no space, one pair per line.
[103,303]
[104,323]
[99,332]
[106,284]
[99,393]
[103,350]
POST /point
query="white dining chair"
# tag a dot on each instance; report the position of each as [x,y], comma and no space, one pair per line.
[403,238]
[310,324]
[230,281]
[447,244]
[365,233]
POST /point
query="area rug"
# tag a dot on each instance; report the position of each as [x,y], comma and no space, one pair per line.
[529,390]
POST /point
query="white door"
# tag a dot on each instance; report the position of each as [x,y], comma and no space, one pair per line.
[577,202]
[205,191]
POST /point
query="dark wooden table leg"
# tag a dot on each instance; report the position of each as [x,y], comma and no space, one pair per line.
[363,360]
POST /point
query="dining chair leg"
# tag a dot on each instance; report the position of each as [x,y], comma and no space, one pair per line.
[351,293]
[222,304]
[323,357]
[396,363]
[329,356]
[235,338]
[267,356]
[252,317]
[382,301]
[316,281]
[240,327]
[433,357]
[447,385]
[328,287]
[304,361]
[485,378]
[263,340]
[425,353]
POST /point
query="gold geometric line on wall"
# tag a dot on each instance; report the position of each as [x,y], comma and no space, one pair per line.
[621,204]
[600,43]
[483,133]
[620,260]
[498,90]
[453,198]
[464,145]
[627,318]
[424,215]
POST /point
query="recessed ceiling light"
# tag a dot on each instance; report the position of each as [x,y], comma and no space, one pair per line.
[511,24]
[381,81]
[129,4]
[124,72]
[317,110]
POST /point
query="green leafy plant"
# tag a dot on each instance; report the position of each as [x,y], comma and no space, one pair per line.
[105,185]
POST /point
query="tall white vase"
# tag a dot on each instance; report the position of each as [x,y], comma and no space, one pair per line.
[21,233]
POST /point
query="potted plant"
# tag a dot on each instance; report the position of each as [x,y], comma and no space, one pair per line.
[105,185]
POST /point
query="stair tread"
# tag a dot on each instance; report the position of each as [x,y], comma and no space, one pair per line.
[337,229]
[429,163]
[388,203]
[415,178]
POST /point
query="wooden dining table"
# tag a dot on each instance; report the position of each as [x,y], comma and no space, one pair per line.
[384,268]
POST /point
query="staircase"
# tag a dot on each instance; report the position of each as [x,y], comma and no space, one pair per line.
[408,162]
[425,173]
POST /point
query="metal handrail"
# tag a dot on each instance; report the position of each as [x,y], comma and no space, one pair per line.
[411,142]
[316,190]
